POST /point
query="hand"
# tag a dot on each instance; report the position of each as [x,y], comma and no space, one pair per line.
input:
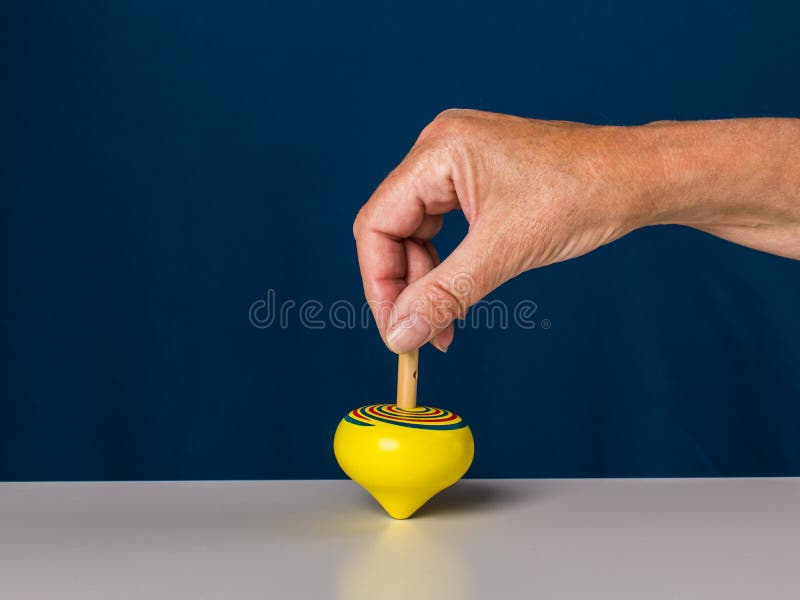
[538,192]
[533,192]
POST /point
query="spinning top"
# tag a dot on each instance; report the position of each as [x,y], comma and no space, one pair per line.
[403,454]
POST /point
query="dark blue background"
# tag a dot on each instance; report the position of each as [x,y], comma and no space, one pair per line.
[164,164]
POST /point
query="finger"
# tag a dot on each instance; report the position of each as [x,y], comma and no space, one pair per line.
[419,187]
[442,340]
[419,261]
[432,251]
[428,306]
[421,258]
[430,226]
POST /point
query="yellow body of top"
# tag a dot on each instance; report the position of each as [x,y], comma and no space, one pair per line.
[403,457]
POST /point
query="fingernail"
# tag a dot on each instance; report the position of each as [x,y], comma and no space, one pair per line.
[436,345]
[408,334]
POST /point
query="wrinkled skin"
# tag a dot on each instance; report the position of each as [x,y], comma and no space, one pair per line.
[539,192]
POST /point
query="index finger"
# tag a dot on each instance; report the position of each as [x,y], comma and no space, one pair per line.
[407,204]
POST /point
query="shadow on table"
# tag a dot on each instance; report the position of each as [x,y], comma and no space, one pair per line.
[470,496]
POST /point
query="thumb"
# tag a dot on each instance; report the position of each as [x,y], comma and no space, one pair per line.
[430,304]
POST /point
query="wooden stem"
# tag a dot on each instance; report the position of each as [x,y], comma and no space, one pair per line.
[407,379]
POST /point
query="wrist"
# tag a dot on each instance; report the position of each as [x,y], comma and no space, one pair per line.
[737,172]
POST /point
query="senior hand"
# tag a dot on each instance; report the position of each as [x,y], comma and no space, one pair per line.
[538,192]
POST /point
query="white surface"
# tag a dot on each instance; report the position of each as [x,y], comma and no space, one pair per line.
[494,539]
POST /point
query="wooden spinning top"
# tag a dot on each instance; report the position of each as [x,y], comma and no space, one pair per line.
[403,454]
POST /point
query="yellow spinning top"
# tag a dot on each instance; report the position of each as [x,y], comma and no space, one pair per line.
[403,454]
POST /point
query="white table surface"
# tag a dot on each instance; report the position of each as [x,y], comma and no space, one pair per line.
[589,539]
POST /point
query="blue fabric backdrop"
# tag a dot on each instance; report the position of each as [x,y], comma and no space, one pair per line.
[166,164]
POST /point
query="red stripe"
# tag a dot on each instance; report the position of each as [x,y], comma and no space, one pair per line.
[356,415]
[451,417]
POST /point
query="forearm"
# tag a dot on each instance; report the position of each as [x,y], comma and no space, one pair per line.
[540,192]
[738,179]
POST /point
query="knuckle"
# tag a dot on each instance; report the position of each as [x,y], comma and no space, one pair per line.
[443,305]
[358,224]
[452,113]
[433,159]
[448,123]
